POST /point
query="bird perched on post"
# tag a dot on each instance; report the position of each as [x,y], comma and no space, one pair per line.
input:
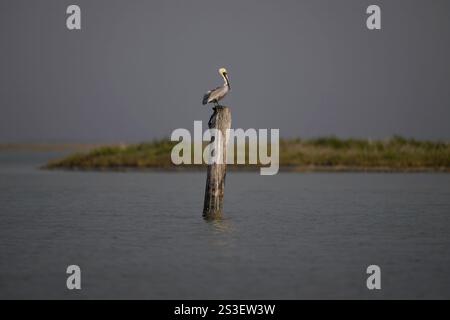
[218,93]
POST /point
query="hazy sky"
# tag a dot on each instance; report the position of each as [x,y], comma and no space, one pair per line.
[138,69]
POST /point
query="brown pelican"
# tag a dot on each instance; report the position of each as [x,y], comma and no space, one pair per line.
[218,93]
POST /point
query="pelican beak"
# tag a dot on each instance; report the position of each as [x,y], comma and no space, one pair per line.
[228,81]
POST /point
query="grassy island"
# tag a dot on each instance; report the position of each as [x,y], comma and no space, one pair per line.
[319,154]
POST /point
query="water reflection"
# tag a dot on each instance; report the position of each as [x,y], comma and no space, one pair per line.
[222,231]
[220,225]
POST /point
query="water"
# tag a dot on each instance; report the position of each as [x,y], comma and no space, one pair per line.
[290,236]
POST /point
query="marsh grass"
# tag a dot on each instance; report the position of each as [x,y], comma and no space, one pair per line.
[326,153]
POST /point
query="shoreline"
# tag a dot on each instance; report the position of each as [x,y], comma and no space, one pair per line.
[282,169]
[50,147]
[324,154]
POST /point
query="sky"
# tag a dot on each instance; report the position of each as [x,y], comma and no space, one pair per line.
[137,70]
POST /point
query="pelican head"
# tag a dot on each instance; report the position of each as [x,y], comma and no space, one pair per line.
[224,73]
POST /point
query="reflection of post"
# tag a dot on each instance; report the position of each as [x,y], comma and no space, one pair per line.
[215,176]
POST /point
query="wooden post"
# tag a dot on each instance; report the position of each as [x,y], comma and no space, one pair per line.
[216,172]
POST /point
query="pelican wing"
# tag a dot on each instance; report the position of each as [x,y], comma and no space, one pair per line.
[208,94]
[218,93]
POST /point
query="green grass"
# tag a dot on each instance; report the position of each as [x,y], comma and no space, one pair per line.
[327,153]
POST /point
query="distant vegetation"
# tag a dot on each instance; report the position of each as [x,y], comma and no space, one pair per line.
[320,154]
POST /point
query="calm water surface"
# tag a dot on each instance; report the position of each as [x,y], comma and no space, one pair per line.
[292,236]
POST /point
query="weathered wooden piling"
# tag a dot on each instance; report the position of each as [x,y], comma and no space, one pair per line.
[216,172]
